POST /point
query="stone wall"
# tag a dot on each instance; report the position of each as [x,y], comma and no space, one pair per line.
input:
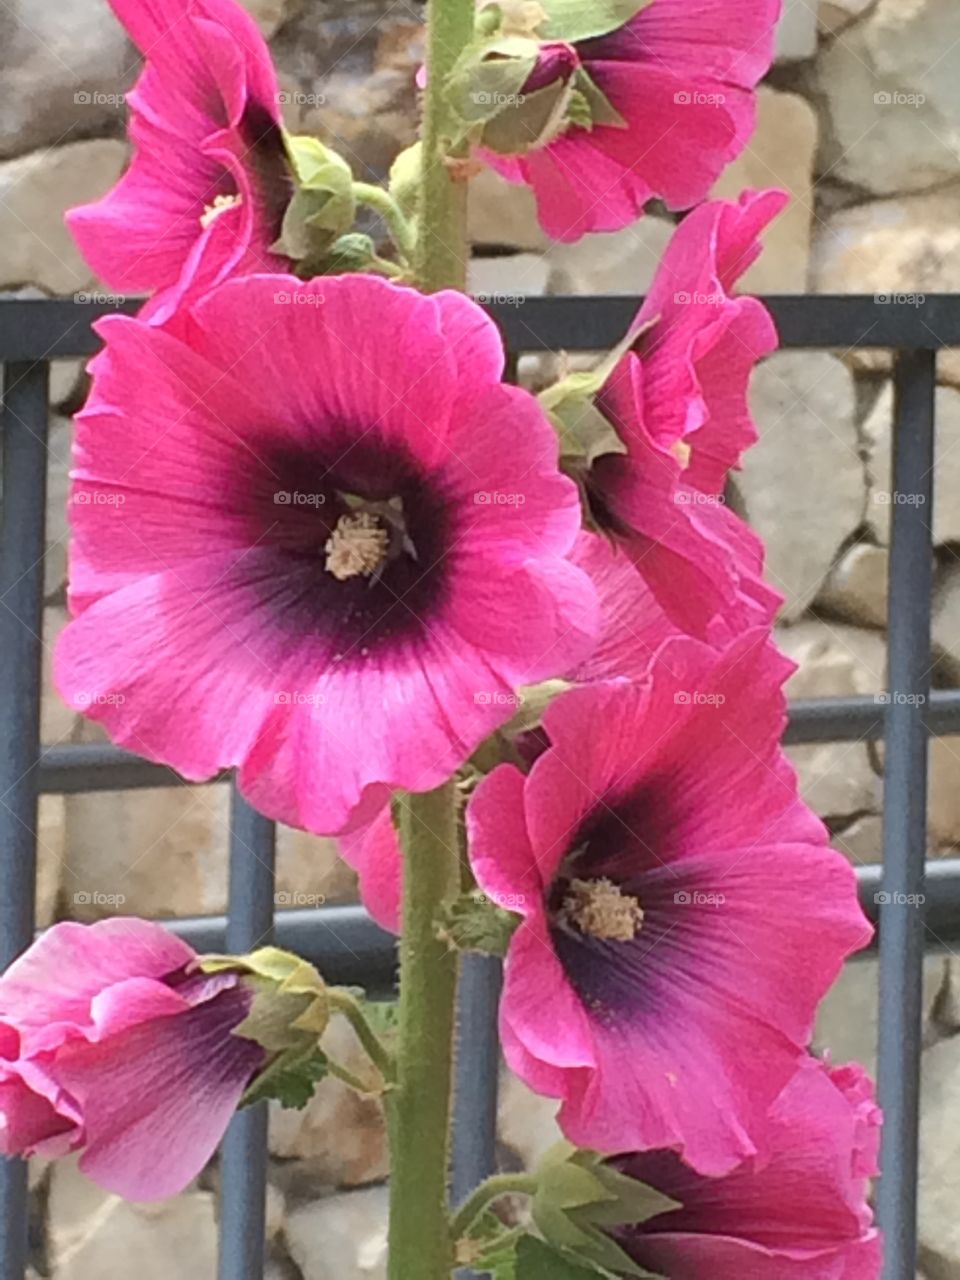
[860,120]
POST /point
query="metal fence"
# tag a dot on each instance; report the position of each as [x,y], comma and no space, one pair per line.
[342,941]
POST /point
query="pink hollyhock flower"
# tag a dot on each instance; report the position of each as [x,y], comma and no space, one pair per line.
[633,628]
[797,1212]
[112,1044]
[671,882]
[678,400]
[681,75]
[316,538]
[209,165]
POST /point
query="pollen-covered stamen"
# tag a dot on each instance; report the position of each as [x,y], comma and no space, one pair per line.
[601,909]
[681,451]
[357,547]
[220,205]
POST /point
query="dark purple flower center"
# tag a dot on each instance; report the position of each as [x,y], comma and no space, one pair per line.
[363,541]
[606,917]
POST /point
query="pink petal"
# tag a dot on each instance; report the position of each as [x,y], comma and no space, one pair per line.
[69,965]
[156,1099]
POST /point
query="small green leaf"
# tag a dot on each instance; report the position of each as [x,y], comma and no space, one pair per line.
[579,1194]
[573,20]
[473,922]
[291,1080]
[537,1260]
[585,433]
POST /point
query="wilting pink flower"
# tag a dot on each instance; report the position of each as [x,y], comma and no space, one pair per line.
[798,1211]
[208,183]
[680,905]
[317,539]
[678,400]
[681,74]
[111,1043]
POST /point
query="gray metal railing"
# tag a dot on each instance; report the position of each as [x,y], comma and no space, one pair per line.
[343,941]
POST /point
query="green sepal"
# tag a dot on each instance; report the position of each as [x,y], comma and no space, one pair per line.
[488,78]
[534,1259]
[573,20]
[579,115]
[579,1194]
[601,109]
[533,121]
[585,433]
[323,204]
[290,1008]
[290,1079]
[472,922]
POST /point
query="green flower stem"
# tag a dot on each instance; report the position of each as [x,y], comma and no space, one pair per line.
[373,1046]
[418,1107]
[382,202]
[440,259]
[348,1077]
[421,1246]
[386,268]
[501,1184]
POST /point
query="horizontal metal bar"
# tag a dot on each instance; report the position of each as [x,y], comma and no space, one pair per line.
[101,767]
[54,328]
[343,942]
[852,719]
[350,948]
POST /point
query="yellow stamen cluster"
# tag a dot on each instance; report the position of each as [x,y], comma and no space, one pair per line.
[220,204]
[601,909]
[357,547]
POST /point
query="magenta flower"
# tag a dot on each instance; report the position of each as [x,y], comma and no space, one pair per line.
[112,1044]
[318,540]
[678,400]
[209,163]
[670,883]
[681,75]
[797,1212]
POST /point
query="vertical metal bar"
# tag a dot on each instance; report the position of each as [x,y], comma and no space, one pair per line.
[24,431]
[477,1073]
[905,803]
[243,1153]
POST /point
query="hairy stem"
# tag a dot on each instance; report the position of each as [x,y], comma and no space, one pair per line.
[440,260]
[418,1107]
